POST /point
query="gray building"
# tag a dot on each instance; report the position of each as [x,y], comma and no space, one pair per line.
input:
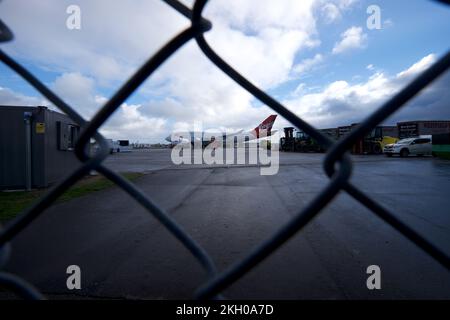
[409,129]
[36,147]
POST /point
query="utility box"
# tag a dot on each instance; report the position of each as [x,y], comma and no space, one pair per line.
[36,147]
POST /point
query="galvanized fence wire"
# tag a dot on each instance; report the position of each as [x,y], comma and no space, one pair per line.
[337,164]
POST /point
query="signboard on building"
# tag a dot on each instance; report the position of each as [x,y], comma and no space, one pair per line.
[40,127]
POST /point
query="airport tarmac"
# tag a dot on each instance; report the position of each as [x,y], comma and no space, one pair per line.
[123,252]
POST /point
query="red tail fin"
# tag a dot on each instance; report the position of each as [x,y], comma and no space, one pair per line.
[264,129]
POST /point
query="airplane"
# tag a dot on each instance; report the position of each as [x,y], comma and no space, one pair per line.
[264,129]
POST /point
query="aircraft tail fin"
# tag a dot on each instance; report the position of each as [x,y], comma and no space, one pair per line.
[264,129]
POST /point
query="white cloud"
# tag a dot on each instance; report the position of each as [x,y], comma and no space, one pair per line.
[345,4]
[109,45]
[341,103]
[9,97]
[254,15]
[418,67]
[331,13]
[130,122]
[79,92]
[308,64]
[259,38]
[352,38]
[269,33]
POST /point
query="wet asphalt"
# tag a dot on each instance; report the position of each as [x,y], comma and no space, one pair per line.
[124,252]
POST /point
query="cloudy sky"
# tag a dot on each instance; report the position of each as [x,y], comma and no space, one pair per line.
[317,57]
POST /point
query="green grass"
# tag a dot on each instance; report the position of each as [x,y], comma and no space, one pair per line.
[14,202]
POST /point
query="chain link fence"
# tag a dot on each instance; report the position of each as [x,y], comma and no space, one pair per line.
[337,163]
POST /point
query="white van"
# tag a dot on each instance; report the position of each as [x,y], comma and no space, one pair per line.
[120,146]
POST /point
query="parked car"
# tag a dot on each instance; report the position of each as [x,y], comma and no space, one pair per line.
[412,146]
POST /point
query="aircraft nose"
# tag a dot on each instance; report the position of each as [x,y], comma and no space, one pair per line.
[169,139]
